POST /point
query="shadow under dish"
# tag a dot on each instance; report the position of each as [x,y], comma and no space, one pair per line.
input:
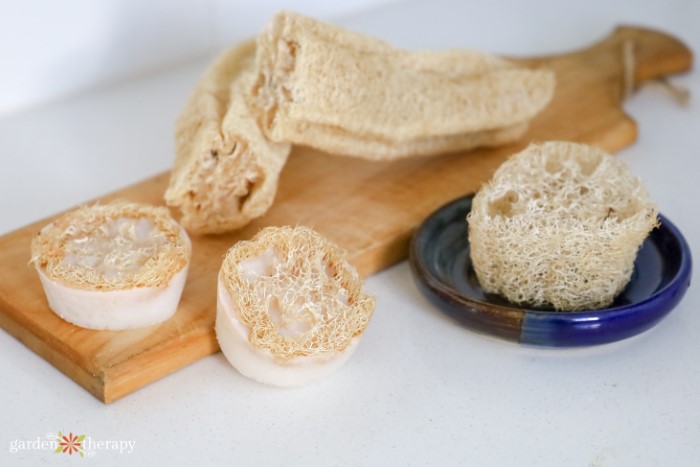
[441,266]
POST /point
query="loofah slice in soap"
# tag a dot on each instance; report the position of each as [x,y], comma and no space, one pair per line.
[290,309]
[559,225]
[113,266]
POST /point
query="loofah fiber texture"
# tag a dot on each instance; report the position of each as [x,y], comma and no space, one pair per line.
[225,171]
[113,246]
[296,293]
[342,92]
[559,225]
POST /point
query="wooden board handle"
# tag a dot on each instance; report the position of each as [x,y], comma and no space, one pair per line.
[626,59]
[656,54]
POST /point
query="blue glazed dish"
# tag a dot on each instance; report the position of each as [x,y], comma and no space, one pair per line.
[442,270]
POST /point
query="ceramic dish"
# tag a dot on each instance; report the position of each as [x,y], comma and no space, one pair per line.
[439,256]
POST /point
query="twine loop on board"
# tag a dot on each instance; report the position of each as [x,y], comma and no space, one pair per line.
[679,93]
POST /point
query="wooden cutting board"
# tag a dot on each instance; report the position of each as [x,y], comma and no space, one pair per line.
[368,208]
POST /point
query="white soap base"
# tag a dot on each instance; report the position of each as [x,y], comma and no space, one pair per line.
[114,310]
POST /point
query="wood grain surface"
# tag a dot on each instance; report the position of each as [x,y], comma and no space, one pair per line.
[369,208]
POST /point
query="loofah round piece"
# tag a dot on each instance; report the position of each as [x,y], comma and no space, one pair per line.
[296,304]
[559,225]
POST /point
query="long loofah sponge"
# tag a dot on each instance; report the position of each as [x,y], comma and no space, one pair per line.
[225,171]
[559,225]
[346,93]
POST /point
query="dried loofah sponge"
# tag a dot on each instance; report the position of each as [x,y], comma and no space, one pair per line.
[290,307]
[225,171]
[346,93]
[559,225]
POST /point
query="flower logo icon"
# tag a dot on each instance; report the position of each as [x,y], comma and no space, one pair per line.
[70,443]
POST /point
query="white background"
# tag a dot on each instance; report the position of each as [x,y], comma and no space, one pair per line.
[419,390]
[51,49]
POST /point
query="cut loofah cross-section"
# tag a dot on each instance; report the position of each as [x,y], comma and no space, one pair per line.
[296,293]
[559,225]
[113,246]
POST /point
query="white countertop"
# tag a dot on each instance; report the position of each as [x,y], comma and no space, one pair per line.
[420,390]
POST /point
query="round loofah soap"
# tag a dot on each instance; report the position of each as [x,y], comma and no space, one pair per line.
[290,308]
[113,266]
[559,225]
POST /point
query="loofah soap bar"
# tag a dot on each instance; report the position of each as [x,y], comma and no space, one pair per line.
[113,266]
[290,309]
[559,225]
